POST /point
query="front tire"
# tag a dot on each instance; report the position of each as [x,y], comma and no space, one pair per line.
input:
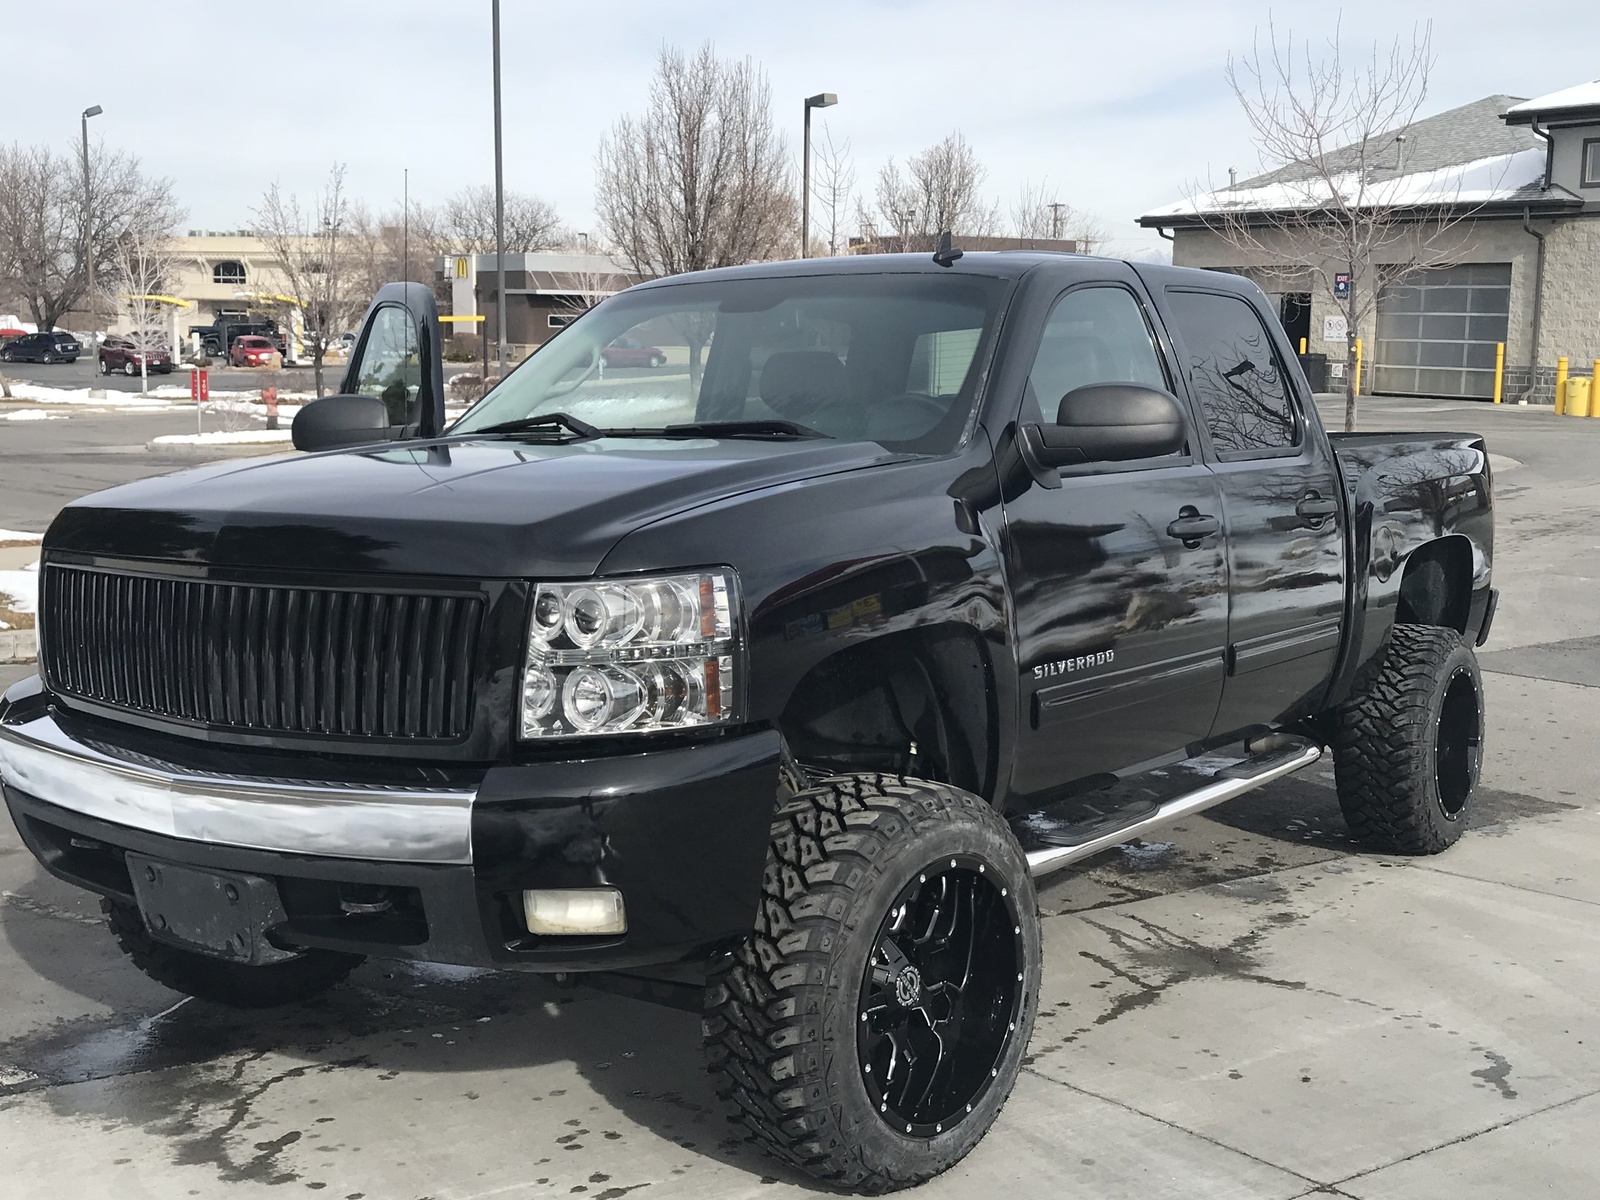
[871,1028]
[1408,751]
[237,985]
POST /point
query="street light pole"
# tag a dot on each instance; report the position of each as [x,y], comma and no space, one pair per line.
[93,110]
[821,100]
[499,208]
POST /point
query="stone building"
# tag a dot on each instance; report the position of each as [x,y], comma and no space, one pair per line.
[1504,193]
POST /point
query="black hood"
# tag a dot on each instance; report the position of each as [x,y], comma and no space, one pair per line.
[473,509]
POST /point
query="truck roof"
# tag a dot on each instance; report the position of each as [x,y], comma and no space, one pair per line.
[1005,264]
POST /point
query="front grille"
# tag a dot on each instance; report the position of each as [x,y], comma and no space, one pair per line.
[271,659]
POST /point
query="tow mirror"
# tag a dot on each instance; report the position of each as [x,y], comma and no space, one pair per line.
[1104,422]
[338,421]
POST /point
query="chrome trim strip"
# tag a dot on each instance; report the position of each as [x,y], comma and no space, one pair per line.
[392,824]
[1276,766]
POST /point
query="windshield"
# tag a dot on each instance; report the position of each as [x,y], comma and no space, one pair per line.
[886,358]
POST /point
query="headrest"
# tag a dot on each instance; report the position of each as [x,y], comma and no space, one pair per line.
[797,383]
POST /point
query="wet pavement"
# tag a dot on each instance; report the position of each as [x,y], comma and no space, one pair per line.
[1247,1007]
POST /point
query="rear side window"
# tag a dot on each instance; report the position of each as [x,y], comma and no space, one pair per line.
[1234,373]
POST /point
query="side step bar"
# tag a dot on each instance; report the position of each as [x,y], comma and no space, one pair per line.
[1286,756]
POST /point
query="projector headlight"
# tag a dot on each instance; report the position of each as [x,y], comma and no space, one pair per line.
[641,655]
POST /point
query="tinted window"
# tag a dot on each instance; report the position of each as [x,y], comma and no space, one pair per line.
[390,366]
[1094,335]
[1234,373]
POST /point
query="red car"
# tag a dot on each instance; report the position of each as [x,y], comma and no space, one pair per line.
[625,352]
[252,351]
[119,354]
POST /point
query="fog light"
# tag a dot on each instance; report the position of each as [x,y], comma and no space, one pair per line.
[574,911]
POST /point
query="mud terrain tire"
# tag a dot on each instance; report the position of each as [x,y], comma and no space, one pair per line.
[894,914]
[1408,751]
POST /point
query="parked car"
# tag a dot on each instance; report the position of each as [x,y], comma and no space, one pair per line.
[771,698]
[626,352]
[42,348]
[254,351]
[119,354]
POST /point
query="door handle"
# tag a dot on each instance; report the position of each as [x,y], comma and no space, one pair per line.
[1192,526]
[1315,508]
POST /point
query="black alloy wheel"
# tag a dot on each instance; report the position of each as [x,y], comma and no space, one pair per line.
[1458,743]
[941,997]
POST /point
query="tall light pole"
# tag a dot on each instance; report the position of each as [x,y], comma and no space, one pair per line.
[820,100]
[499,208]
[94,110]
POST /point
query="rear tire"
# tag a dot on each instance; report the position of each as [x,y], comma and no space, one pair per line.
[894,913]
[235,984]
[48,357]
[1408,751]
[129,369]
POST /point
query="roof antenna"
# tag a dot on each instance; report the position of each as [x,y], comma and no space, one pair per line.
[946,253]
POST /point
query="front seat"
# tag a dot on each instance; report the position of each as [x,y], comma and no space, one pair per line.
[800,384]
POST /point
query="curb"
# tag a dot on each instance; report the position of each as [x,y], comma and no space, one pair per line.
[218,449]
[18,645]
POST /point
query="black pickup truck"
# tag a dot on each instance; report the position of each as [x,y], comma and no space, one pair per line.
[767,676]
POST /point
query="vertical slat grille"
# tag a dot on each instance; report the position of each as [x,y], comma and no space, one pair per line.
[273,659]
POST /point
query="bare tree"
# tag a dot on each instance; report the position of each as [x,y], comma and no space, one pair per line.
[317,249]
[45,216]
[833,186]
[1039,212]
[938,191]
[466,222]
[142,270]
[1336,199]
[701,179]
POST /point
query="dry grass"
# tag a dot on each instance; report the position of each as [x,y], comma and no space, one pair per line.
[10,618]
[8,545]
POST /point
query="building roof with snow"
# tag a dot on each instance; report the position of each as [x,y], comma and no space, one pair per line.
[1579,104]
[1470,157]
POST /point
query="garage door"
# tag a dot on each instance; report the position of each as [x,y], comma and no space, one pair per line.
[1437,331]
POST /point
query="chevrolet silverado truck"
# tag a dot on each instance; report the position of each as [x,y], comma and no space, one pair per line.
[764,678]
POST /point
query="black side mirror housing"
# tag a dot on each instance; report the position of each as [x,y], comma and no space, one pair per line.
[335,422]
[1105,422]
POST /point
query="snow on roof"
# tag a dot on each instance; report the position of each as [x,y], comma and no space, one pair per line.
[1583,95]
[1480,182]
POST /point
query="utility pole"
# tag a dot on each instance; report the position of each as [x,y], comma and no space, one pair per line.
[1055,219]
[88,211]
[499,208]
[821,100]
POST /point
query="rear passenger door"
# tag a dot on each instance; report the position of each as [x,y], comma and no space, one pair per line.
[1280,500]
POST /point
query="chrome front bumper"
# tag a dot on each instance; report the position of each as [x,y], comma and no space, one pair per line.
[380,823]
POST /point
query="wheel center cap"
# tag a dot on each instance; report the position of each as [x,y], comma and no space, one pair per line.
[908,987]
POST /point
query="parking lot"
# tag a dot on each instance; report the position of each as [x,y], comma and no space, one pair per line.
[1251,1007]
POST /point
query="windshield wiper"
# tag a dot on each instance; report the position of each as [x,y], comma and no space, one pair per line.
[545,422]
[774,430]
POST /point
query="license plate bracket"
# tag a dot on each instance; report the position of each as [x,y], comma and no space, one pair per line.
[224,914]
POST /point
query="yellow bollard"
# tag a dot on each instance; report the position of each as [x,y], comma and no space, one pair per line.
[1499,370]
[1302,347]
[1561,385]
[1578,397]
[1594,390]
[1358,367]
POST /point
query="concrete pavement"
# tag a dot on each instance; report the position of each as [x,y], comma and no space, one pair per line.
[1249,1008]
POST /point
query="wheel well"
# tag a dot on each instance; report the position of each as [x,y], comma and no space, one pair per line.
[1436,588]
[917,703]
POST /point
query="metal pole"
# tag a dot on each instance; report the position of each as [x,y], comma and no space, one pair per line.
[88,221]
[499,207]
[805,188]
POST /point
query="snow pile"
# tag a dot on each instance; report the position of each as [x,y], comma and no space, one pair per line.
[18,535]
[106,399]
[19,590]
[223,437]
[34,414]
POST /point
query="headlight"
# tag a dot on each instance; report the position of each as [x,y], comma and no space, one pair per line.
[630,655]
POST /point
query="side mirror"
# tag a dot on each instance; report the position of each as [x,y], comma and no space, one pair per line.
[1104,422]
[338,421]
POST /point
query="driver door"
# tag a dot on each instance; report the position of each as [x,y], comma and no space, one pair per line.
[397,360]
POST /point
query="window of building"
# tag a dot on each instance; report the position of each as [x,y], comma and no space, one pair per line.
[1591,162]
[228,272]
[559,320]
[1438,329]
[1234,373]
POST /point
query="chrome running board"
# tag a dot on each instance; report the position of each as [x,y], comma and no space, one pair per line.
[1286,756]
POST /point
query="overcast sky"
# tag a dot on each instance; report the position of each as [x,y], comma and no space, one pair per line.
[1121,106]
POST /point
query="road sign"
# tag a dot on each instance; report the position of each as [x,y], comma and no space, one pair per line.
[200,386]
[1341,284]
